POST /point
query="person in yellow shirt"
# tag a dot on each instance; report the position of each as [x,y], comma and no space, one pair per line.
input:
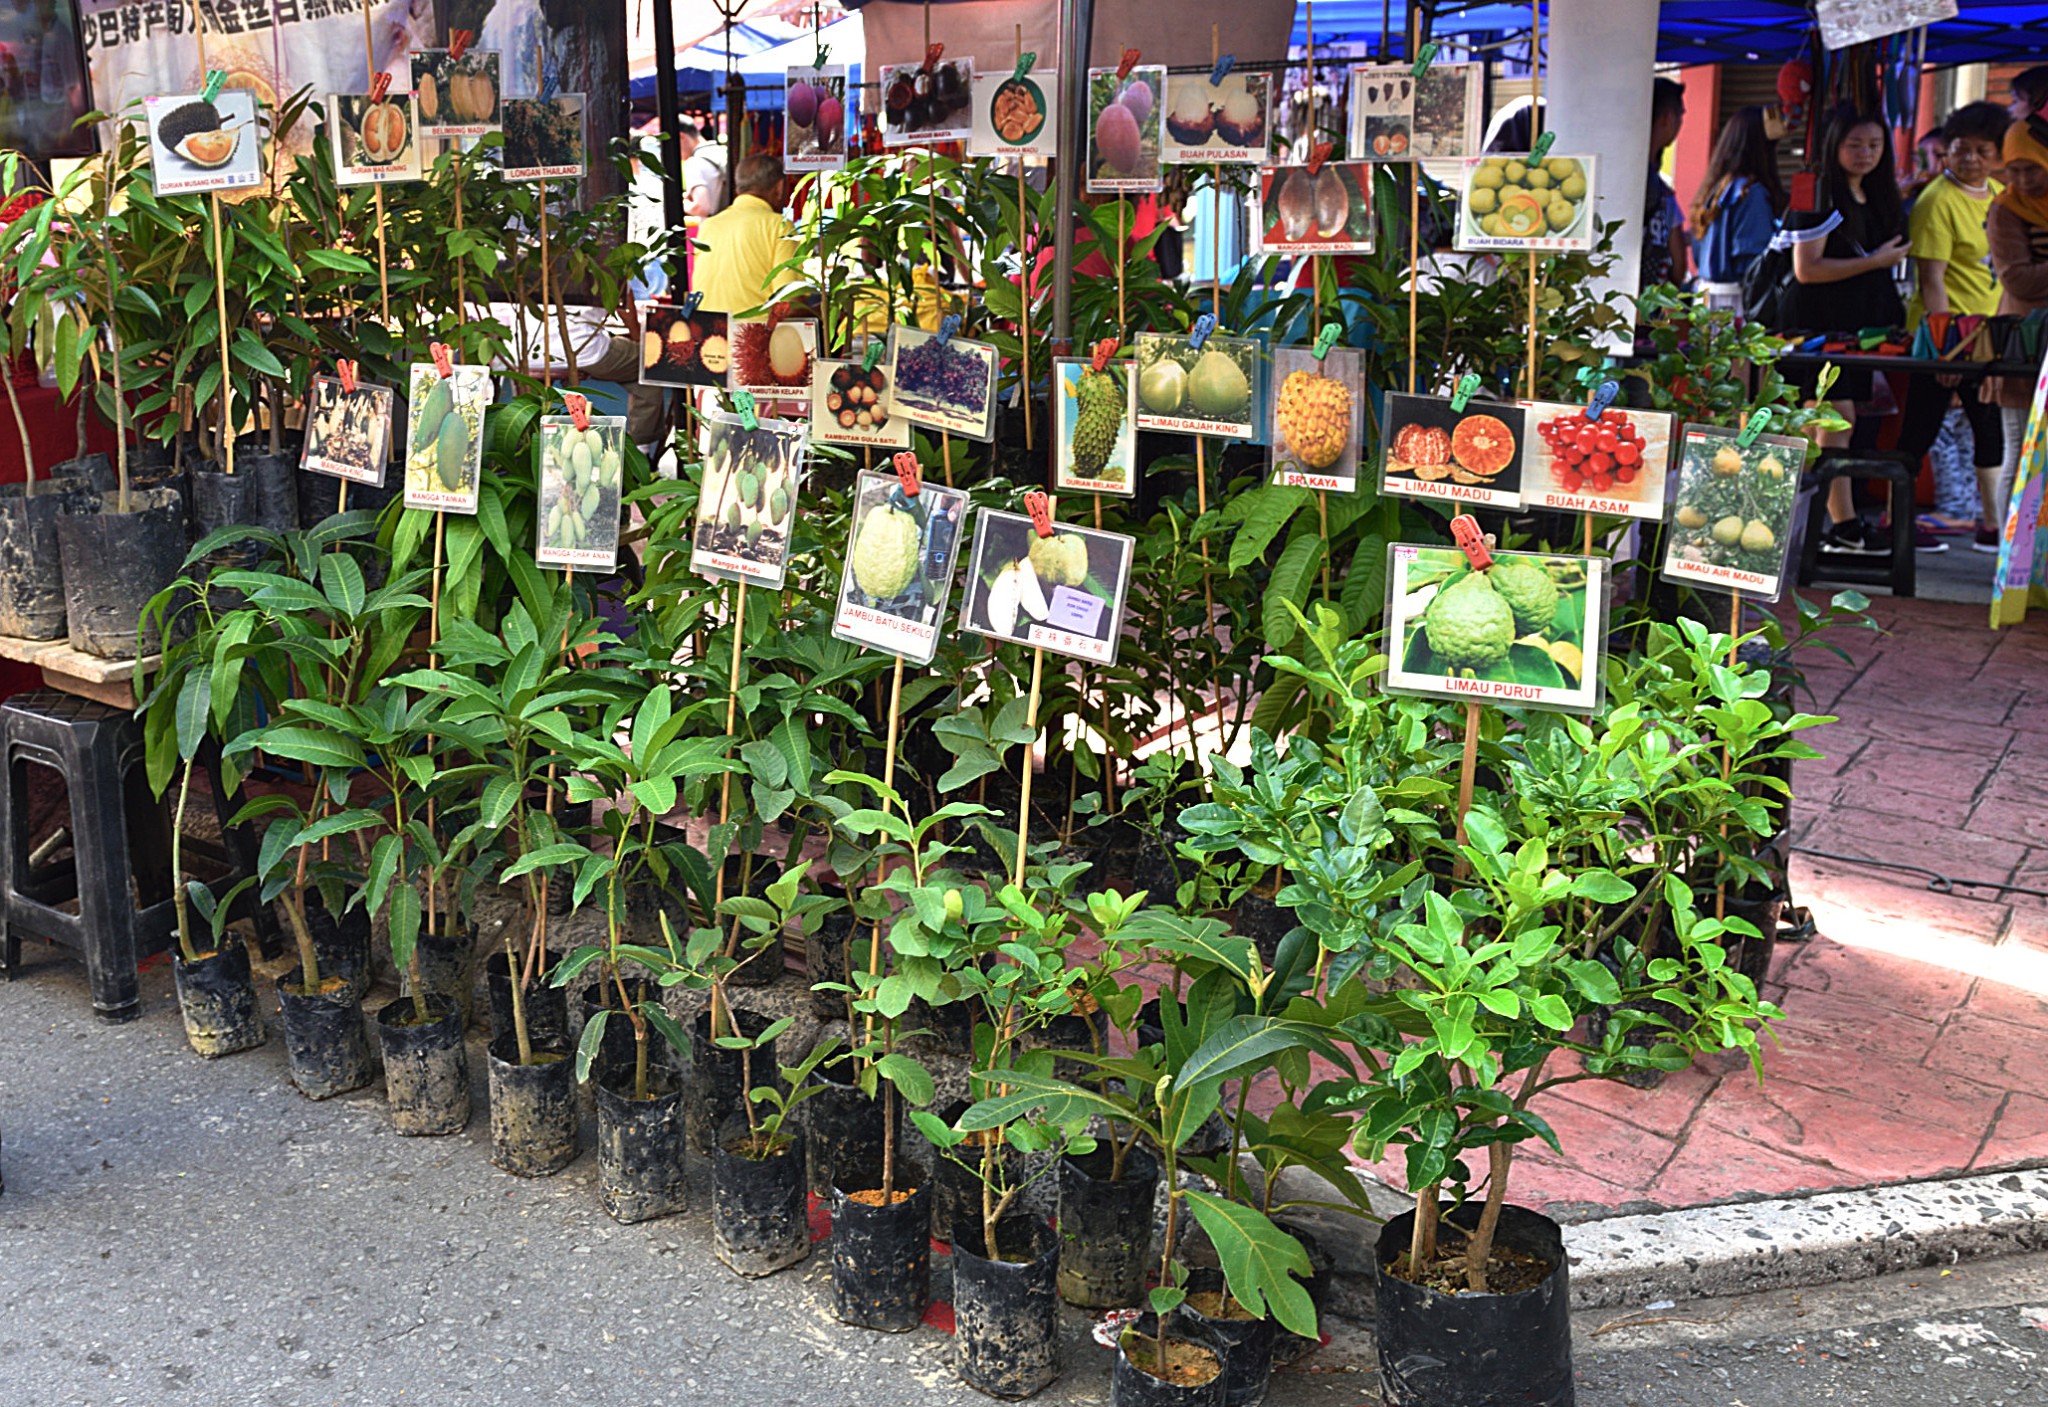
[742,245]
[1952,256]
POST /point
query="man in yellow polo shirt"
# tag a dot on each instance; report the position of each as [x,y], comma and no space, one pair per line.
[742,244]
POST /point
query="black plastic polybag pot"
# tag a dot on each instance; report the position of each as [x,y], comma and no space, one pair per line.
[882,1252]
[825,960]
[217,998]
[426,1070]
[31,564]
[717,1097]
[1247,1344]
[1133,1385]
[1476,1350]
[534,1118]
[1006,1313]
[341,946]
[113,562]
[846,1129]
[640,1146]
[446,963]
[759,1221]
[547,1008]
[324,1041]
[1106,1227]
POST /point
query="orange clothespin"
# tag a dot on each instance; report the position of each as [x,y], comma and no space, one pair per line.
[1128,62]
[1104,350]
[1040,509]
[1465,532]
[443,361]
[459,42]
[346,370]
[906,470]
[379,86]
[579,409]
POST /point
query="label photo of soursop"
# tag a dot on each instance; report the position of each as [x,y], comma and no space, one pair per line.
[1098,426]
[1528,629]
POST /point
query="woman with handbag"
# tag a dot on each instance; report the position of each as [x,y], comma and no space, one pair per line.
[2017,230]
[1736,209]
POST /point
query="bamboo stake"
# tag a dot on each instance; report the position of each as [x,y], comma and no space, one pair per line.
[1535,128]
[1026,273]
[547,351]
[1468,765]
[1031,726]
[732,707]
[220,305]
[1414,219]
[377,192]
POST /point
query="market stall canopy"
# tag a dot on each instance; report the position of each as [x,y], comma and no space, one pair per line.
[765,71]
[987,30]
[703,40]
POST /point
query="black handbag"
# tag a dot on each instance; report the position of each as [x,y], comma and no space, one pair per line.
[1767,284]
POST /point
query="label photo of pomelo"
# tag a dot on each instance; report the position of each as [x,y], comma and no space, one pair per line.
[1213,390]
[1528,630]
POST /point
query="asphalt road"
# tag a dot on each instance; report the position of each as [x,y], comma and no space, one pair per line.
[176,1231]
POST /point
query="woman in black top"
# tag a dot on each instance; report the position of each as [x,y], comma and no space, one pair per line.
[1843,254]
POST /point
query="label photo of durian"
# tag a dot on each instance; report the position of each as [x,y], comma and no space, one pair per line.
[1210,390]
[375,142]
[899,566]
[1063,593]
[457,97]
[1511,202]
[1098,426]
[1324,211]
[746,505]
[1528,630]
[579,472]
[445,436]
[196,145]
[850,406]
[1434,450]
[1318,418]
[348,433]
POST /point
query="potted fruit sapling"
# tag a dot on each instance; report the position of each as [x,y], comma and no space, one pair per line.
[759,1223]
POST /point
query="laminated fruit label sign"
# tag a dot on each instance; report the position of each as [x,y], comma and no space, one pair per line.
[445,436]
[814,113]
[1124,127]
[1318,418]
[1731,514]
[771,357]
[683,350]
[197,145]
[850,406]
[457,97]
[1063,593]
[1213,390]
[375,142]
[1511,202]
[1016,116]
[945,385]
[544,140]
[1528,630]
[747,504]
[579,472]
[1098,431]
[921,105]
[899,568]
[1325,211]
[1214,123]
[1434,450]
[1615,466]
[348,433]
[1397,117]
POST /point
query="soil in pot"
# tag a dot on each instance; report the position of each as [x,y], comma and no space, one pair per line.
[217,997]
[1106,1227]
[882,1247]
[1189,1373]
[1246,1340]
[718,1098]
[1006,1313]
[31,566]
[324,1041]
[640,1146]
[846,1130]
[759,1223]
[446,961]
[113,562]
[426,1070]
[547,1008]
[1441,1345]
[534,1119]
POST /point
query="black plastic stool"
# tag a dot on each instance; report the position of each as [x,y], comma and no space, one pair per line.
[1897,572]
[120,843]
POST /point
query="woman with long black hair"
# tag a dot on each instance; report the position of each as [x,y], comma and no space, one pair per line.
[1736,209]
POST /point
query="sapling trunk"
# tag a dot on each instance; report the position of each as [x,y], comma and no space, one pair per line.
[309,963]
[28,454]
[888,1122]
[274,396]
[79,453]
[519,1032]
[1422,1236]
[1167,1152]
[1480,1246]
[185,944]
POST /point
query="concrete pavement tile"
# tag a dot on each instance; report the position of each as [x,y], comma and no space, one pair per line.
[1925,989]
[1912,776]
[2010,820]
[1914,723]
[1983,1048]
[1859,1136]
[1948,694]
[2020,1135]
[1538,1185]
[1714,1165]
[1888,909]
[1616,1150]
[2018,1005]
[1664,1110]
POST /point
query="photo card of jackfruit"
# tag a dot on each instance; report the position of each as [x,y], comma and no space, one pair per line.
[201,144]
[1528,630]
[1212,389]
[445,436]
[457,97]
[580,470]
[1316,421]
[1063,593]
[348,433]
[376,140]
[746,506]
[1433,449]
[1097,430]
[899,569]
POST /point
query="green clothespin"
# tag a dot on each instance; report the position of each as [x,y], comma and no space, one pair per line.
[1468,386]
[1326,339]
[1542,147]
[743,402]
[216,79]
[1024,62]
[1422,60]
[873,353]
[1758,420]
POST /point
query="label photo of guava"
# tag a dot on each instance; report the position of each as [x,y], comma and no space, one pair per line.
[1730,527]
[1529,629]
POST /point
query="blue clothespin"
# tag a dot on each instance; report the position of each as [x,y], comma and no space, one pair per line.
[691,302]
[1204,325]
[550,79]
[1603,397]
[1542,147]
[1468,386]
[743,402]
[948,325]
[1222,70]
[1755,427]
[1422,60]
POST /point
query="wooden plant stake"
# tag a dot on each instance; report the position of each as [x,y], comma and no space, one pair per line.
[1041,508]
[719,1011]
[1539,145]
[1026,263]
[1422,57]
[1465,531]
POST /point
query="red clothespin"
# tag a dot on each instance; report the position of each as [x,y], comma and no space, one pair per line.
[1465,531]
[1129,62]
[906,470]
[1104,350]
[379,86]
[1318,154]
[1040,509]
[346,370]
[932,54]
[459,42]
[443,361]
[579,409]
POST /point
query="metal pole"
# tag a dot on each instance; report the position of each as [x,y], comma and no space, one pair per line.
[668,116]
[1078,17]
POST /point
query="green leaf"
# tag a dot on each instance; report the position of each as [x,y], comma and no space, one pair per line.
[911,1079]
[1260,1261]
[1267,511]
[593,1039]
[1551,1010]
[1294,575]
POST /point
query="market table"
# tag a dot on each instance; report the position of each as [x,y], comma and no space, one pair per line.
[75,672]
[1969,371]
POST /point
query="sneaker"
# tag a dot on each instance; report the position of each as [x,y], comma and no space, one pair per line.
[1849,537]
[1925,541]
[1986,540]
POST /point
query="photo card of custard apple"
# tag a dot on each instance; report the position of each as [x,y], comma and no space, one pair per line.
[1064,593]
[1124,126]
[899,565]
[1529,630]
[457,97]
[1316,421]
[201,145]
[1324,211]
[348,433]
[580,472]
[746,504]
[1432,449]
[1213,390]
[1097,427]
[444,436]
[376,141]
[1730,527]
[1510,202]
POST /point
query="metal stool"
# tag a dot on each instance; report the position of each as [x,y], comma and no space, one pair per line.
[1897,572]
[120,843]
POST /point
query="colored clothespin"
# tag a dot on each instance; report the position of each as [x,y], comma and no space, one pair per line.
[346,371]
[873,353]
[444,362]
[1126,64]
[1465,532]
[906,470]
[1603,397]
[579,409]
[1542,147]
[216,79]
[948,325]
[1468,386]
[932,54]
[459,42]
[1222,70]
[1326,338]
[1204,325]
[743,402]
[1422,60]
[692,302]
[1318,154]
[1758,422]
[1040,509]
[1104,350]
[379,86]
[1024,62]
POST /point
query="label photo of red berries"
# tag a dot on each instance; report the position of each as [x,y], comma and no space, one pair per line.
[1616,466]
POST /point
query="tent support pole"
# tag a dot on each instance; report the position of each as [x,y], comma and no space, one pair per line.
[668,117]
[1078,29]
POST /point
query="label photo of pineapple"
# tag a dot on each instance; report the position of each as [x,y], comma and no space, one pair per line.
[1098,426]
